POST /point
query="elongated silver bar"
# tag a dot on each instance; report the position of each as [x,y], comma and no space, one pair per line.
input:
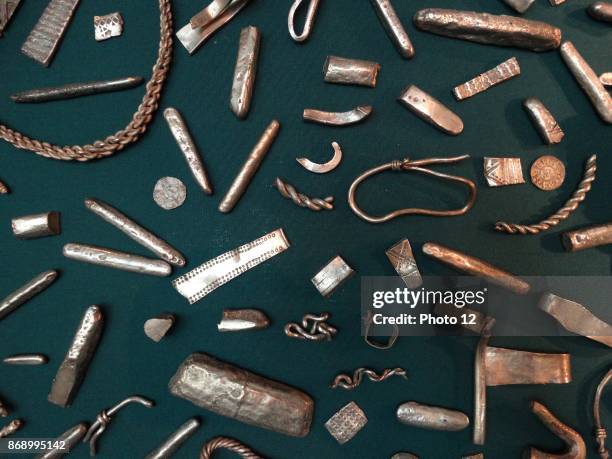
[341,70]
[26,292]
[575,318]
[72,90]
[66,442]
[393,26]
[199,282]
[332,275]
[431,417]
[245,71]
[503,171]
[346,423]
[587,238]
[606,78]
[231,391]
[431,110]
[498,74]
[234,320]
[7,9]
[135,232]
[174,442]
[588,81]
[44,39]
[491,29]
[544,122]
[36,225]
[185,142]
[250,167]
[208,14]
[353,116]
[402,259]
[110,258]
[26,359]
[519,5]
[602,11]
[72,370]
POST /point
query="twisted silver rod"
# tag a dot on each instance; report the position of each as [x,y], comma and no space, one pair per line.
[230,444]
[345,381]
[313,328]
[289,192]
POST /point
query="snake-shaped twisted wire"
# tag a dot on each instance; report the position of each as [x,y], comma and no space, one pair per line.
[230,444]
[570,206]
[314,328]
[137,126]
[346,382]
[289,192]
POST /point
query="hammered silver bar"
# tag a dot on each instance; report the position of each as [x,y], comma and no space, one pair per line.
[329,278]
[490,29]
[234,320]
[26,359]
[500,73]
[110,258]
[602,11]
[606,78]
[245,71]
[26,292]
[44,39]
[341,70]
[431,417]
[588,81]
[353,116]
[587,238]
[135,232]
[72,90]
[544,121]
[7,9]
[402,259]
[199,282]
[72,370]
[173,443]
[185,142]
[519,6]
[431,110]
[37,225]
[503,171]
[68,440]
[346,423]
[393,26]
[575,318]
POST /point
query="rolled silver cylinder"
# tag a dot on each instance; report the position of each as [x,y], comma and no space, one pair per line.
[239,394]
[245,71]
[68,440]
[587,238]
[588,81]
[26,292]
[341,70]
[249,168]
[431,417]
[36,225]
[393,26]
[173,443]
[544,122]
[602,11]
[135,232]
[110,258]
[26,359]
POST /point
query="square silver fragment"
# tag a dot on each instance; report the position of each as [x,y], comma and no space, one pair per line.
[346,423]
[331,276]
[402,259]
[108,26]
[503,171]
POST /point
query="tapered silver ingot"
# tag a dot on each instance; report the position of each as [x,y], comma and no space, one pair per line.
[503,171]
[239,394]
[173,443]
[72,370]
[332,275]
[242,319]
[346,423]
[489,29]
[500,73]
[519,5]
[602,11]
[110,258]
[402,259]
[588,81]
[245,71]
[543,120]
[431,417]
[341,70]
[587,238]
[37,225]
[26,292]
[393,26]
[135,232]
[66,442]
[26,359]
[431,110]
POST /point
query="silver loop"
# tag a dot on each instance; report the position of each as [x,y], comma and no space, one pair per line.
[310,17]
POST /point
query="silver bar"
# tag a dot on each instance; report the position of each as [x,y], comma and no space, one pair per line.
[68,440]
[602,11]
[519,5]
[431,110]
[245,71]
[503,171]
[402,259]
[510,366]
[44,39]
[26,292]
[431,417]
[588,81]
[341,70]
[199,282]
[393,26]
[587,238]
[234,320]
[500,73]
[72,90]
[353,116]
[7,9]
[173,443]
[36,225]
[331,276]
[110,258]
[135,232]
[543,120]
[26,359]
[72,370]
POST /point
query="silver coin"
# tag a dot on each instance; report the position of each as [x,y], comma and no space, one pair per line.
[169,193]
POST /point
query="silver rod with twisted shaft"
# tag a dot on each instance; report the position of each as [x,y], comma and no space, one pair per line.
[289,192]
[347,382]
[230,444]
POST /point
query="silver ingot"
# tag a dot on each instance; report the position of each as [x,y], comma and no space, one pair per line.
[72,370]
[173,443]
[169,193]
[323,168]
[346,423]
[431,110]
[202,280]
[353,116]
[519,6]
[245,71]
[402,259]
[157,327]
[393,26]
[108,26]
[311,14]
[234,320]
[7,9]
[26,359]
[498,74]
[602,11]
[341,70]
[543,120]
[329,278]
[606,78]
[503,171]
[431,417]
[236,393]
[587,238]
[65,442]
[37,225]
[26,292]
[110,258]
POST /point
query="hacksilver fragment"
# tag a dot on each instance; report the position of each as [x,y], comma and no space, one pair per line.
[11,428]
[26,359]
[602,11]
[157,327]
[347,118]
[108,26]
[393,26]
[402,259]
[519,6]
[503,171]
[358,72]
[65,442]
[37,225]
[431,417]
[346,423]
[169,193]
[234,320]
[26,292]
[606,78]
[431,110]
[544,121]
[7,9]
[245,71]
[587,238]
[329,278]
[500,73]
[173,443]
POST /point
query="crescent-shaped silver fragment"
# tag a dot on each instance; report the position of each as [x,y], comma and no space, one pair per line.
[324,168]
[338,118]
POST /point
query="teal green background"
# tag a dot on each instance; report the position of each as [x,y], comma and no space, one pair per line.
[289,79]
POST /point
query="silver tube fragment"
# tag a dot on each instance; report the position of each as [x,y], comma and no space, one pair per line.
[110,258]
[602,11]
[26,292]
[26,359]
[431,417]
[249,168]
[544,122]
[393,26]
[245,71]
[135,232]
[36,225]
[72,370]
[341,70]
[431,110]
[173,443]
[519,6]
[353,116]
[68,440]
[587,238]
[500,73]
[242,319]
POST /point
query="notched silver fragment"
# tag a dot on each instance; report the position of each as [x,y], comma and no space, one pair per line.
[334,273]
[157,327]
[346,423]
[503,171]
[544,121]
[108,26]
[431,417]
[353,116]
[431,110]
[498,74]
[242,319]
[245,71]
[402,259]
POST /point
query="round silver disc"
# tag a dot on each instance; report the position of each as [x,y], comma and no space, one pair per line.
[169,193]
